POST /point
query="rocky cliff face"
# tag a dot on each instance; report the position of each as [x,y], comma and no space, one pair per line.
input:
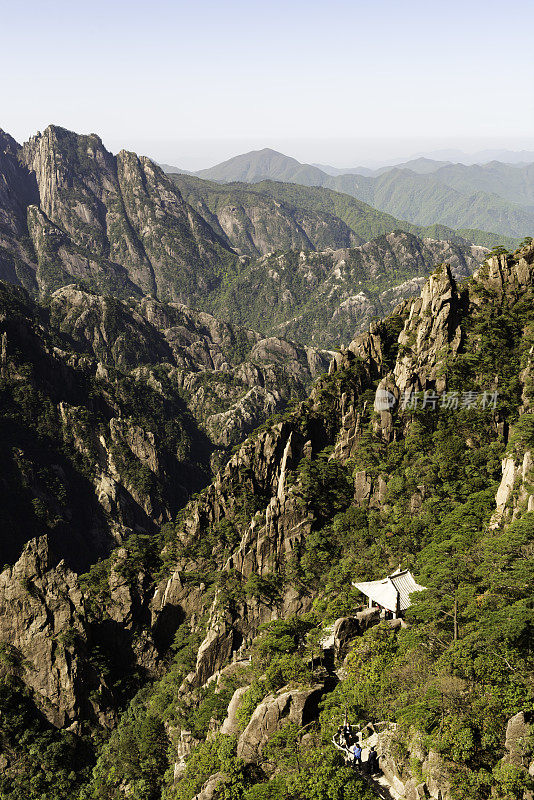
[44,633]
[262,495]
[327,297]
[120,407]
[70,211]
[122,221]
[90,454]
[17,190]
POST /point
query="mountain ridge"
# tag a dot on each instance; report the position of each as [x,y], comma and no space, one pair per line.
[111,220]
[74,212]
[230,607]
[422,198]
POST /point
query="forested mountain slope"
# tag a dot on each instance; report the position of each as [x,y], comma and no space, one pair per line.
[71,212]
[323,298]
[114,412]
[426,199]
[270,215]
[220,621]
[491,197]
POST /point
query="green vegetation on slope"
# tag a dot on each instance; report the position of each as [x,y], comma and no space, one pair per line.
[365,221]
[464,666]
[496,197]
[452,679]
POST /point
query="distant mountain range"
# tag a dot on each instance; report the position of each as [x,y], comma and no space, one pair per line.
[482,156]
[267,254]
[421,165]
[494,197]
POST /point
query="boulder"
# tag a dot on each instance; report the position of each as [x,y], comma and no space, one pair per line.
[345,630]
[367,618]
[213,788]
[231,725]
[415,791]
[517,738]
[299,706]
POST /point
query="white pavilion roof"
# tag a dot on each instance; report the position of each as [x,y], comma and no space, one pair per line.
[386,591]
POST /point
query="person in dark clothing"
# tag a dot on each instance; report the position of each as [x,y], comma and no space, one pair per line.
[372,761]
[341,737]
[347,733]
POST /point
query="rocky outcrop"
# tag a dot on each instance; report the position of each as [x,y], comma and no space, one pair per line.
[514,494]
[299,706]
[17,190]
[44,637]
[231,725]
[213,789]
[517,741]
[91,447]
[505,274]
[182,742]
[397,772]
[431,333]
[121,215]
[369,491]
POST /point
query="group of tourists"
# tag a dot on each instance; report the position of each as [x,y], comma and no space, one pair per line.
[349,741]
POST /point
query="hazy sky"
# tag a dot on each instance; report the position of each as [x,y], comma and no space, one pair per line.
[192,83]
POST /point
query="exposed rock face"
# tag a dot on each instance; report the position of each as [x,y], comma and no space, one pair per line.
[297,706]
[183,742]
[345,630]
[431,330]
[216,649]
[350,286]
[43,625]
[518,739]
[17,190]
[397,770]
[213,788]
[231,726]
[90,456]
[119,217]
[506,275]
[231,377]
[368,491]
[514,495]
[255,224]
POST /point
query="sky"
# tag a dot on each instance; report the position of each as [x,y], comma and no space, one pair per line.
[343,83]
